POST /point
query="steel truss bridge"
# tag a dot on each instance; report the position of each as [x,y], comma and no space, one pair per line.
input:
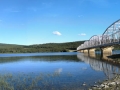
[110,37]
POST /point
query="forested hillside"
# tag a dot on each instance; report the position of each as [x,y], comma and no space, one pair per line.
[48,47]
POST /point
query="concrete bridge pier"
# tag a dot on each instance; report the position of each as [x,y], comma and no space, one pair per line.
[86,51]
[82,51]
[107,50]
[89,51]
[92,50]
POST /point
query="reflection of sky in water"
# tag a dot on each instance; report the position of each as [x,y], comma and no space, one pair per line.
[36,54]
[41,66]
[69,68]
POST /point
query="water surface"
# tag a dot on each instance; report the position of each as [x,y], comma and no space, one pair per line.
[54,71]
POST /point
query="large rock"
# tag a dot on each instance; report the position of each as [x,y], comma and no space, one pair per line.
[112,83]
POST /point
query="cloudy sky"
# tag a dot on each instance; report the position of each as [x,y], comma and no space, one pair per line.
[44,21]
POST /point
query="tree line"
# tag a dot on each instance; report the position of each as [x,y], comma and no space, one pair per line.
[48,47]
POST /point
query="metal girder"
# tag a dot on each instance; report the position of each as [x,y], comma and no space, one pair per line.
[111,35]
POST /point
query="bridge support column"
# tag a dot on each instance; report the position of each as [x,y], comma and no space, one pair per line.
[82,51]
[107,50]
[91,51]
[86,51]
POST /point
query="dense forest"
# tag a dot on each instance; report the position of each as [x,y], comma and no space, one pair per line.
[48,47]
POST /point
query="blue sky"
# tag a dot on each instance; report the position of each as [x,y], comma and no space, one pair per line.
[28,22]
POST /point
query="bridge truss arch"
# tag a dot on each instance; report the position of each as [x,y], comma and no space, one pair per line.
[93,41]
[110,35]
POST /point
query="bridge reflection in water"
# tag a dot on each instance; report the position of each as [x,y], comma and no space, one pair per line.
[99,63]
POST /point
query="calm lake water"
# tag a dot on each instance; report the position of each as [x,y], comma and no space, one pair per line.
[54,71]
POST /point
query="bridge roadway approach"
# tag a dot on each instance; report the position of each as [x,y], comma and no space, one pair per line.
[104,42]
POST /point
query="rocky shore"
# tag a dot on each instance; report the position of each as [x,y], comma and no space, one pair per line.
[113,84]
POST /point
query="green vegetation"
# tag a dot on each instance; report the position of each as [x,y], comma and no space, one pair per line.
[116,47]
[22,81]
[49,47]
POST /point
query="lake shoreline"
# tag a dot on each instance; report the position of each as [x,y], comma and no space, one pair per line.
[113,84]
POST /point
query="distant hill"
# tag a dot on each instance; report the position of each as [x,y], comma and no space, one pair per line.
[3,45]
[48,47]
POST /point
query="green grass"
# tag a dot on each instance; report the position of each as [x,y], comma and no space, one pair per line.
[40,81]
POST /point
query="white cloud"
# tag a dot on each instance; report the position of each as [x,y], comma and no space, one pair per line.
[57,33]
[82,34]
